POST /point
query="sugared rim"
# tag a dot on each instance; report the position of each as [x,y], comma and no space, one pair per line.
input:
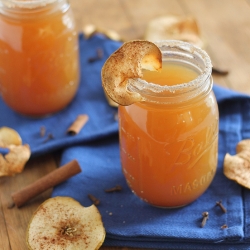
[29,4]
[145,88]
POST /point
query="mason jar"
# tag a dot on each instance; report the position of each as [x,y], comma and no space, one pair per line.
[39,57]
[169,141]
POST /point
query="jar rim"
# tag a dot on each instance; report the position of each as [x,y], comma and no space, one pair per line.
[28,4]
[184,90]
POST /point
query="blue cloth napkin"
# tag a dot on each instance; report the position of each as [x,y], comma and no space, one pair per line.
[131,222]
[128,220]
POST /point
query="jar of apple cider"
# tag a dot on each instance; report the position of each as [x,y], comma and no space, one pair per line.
[169,142]
[39,57]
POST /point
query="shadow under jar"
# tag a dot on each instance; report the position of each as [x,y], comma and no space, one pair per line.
[169,141]
[39,61]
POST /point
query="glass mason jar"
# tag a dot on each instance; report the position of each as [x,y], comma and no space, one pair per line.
[39,57]
[169,142]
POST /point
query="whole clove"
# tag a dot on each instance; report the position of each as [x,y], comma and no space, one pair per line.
[42,131]
[94,199]
[224,226]
[99,56]
[49,137]
[219,203]
[205,216]
[117,188]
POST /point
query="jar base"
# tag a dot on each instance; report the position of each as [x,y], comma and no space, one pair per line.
[168,207]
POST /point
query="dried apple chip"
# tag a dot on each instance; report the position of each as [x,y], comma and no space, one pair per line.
[63,223]
[9,136]
[127,63]
[237,167]
[14,161]
[173,27]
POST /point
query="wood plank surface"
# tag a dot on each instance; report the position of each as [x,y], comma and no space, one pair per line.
[225,27]
[16,219]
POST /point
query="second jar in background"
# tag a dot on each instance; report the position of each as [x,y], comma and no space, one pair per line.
[39,57]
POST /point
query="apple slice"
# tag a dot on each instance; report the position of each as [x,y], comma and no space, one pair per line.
[63,223]
[237,167]
[14,161]
[17,154]
[127,63]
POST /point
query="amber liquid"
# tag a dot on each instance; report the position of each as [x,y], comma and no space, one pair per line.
[169,152]
[171,74]
[39,64]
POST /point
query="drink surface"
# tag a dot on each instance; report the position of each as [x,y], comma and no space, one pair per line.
[171,74]
[39,71]
[169,152]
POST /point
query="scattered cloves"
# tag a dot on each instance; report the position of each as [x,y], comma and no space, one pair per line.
[99,56]
[99,52]
[114,189]
[42,131]
[224,226]
[205,216]
[49,137]
[219,203]
[94,199]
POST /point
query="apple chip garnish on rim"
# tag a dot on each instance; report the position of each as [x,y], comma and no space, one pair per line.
[127,63]
[63,223]
[237,167]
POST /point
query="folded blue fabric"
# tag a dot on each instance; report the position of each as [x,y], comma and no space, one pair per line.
[128,220]
[131,222]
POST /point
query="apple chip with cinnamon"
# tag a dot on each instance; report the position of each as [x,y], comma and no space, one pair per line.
[237,167]
[63,223]
[16,156]
[127,63]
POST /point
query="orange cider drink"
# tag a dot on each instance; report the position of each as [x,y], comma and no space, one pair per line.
[39,64]
[169,142]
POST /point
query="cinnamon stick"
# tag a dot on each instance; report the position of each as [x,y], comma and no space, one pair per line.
[48,181]
[78,124]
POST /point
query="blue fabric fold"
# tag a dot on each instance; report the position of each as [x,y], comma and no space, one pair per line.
[128,220]
[131,222]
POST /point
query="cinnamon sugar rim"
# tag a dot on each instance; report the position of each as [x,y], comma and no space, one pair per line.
[186,53]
